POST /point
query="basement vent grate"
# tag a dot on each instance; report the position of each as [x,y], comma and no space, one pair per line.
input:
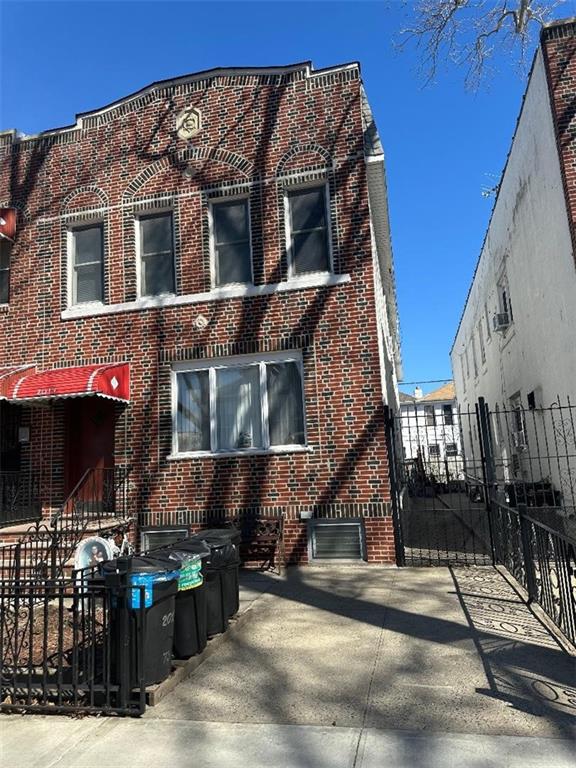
[337,540]
[154,539]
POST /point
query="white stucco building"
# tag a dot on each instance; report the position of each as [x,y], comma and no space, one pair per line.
[515,343]
[431,432]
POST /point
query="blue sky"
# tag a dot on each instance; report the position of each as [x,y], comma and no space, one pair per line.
[443,144]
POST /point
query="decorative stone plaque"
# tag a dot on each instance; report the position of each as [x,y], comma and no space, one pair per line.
[188,123]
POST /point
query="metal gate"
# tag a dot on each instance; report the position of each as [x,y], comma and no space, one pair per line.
[439,492]
[490,487]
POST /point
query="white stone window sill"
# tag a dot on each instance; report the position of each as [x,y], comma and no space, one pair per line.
[313,280]
[279,450]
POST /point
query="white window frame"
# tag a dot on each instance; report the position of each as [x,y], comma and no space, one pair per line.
[214,364]
[212,238]
[292,274]
[138,240]
[437,454]
[71,258]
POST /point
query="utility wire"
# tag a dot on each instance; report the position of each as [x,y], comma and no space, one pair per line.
[429,381]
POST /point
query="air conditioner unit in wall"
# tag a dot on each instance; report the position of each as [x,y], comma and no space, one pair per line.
[501,321]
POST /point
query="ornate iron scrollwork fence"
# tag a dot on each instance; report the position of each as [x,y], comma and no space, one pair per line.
[64,647]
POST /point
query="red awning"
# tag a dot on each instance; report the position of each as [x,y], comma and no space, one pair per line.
[111,381]
[9,375]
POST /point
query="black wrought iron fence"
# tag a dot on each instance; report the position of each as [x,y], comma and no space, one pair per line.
[99,503]
[531,458]
[491,487]
[19,497]
[542,560]
[10,561]
[71,646]
[442,516]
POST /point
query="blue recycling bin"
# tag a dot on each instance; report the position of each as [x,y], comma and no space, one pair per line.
[151,600]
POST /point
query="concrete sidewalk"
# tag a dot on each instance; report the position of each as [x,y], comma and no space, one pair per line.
[347,667]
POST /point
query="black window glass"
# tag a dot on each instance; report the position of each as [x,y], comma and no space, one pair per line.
[157,233]
[232,242]
[308,209]
[88,283]
[193,418]
[157,257]
[309,230]
[5,248]
[285,407]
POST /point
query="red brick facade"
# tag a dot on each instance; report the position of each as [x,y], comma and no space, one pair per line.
[261,132]
[559,49]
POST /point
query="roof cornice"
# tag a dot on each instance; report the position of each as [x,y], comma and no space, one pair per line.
[278,76]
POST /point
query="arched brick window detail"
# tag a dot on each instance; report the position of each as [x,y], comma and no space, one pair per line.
[84,198]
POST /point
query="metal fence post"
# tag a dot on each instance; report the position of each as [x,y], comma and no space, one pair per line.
[527,554]
[394,490]
[123,601]
[18,561]
[488,468]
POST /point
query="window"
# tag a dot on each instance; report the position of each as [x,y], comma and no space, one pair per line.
[433,450]
[448,414]
[451,449]
[5,249]
[505,304]
[481,340]
[87,252]
[230,241]
[487,316]
[474,357]
[429,416]
[156,254]
[309,247]
[239,405]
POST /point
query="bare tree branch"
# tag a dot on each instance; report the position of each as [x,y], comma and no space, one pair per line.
[468,32]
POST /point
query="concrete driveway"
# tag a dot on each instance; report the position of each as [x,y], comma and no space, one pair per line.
[350,666]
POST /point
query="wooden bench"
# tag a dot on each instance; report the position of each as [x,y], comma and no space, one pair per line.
[263,542]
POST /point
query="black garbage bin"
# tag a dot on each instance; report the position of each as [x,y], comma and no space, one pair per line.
[150,624]
[221,569]
[191,618]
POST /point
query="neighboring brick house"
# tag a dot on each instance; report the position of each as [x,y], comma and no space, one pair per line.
[208,262]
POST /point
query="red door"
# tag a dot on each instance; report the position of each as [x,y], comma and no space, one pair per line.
[89,438]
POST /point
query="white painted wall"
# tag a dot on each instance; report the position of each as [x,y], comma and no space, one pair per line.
[528,241]
[528,244]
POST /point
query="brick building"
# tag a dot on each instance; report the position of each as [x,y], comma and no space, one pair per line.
[200,288]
